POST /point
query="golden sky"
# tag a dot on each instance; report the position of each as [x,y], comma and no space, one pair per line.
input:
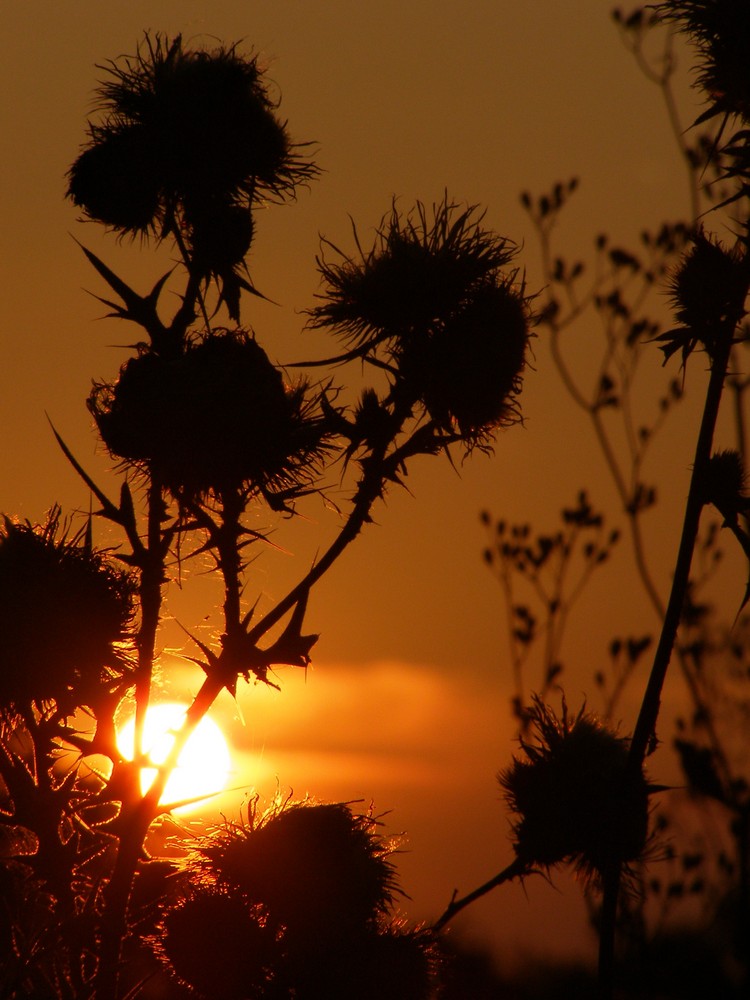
[407,702]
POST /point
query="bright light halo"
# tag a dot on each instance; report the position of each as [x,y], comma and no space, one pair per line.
[204,764]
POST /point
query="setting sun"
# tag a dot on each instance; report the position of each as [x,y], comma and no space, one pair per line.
[204,763]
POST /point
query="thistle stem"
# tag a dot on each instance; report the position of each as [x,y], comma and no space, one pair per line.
[135,824]
[377,468]
[649,713]
[152,577]
[646,724]
[515,869]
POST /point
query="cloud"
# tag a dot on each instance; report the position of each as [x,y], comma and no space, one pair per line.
[376,714]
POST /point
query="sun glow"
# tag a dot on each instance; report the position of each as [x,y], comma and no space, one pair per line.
[204,764]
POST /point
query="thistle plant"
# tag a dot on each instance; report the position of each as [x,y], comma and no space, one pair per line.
[215,446]
[300,901]
[706,282]
[575,801]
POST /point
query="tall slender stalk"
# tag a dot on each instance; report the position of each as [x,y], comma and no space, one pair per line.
[647,718]
[135,821]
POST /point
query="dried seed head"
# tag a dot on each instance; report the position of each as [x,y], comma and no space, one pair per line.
[721,30]
[219,946]
[319,870]
[573,795]
[65,616]
[708,290]
[468,371]
[180,129]
[215,418]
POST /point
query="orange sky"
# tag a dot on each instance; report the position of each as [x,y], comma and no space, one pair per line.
[407,701]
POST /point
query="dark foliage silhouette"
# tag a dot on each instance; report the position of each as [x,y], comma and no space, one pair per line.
[216,447]
[702,886]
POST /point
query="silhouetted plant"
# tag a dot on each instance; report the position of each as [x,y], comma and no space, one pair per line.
[215,445]
[188,141]
[556,568]
[708,286]
[66,618]
[309,890]
[217,418]
[574,796]
[208,433]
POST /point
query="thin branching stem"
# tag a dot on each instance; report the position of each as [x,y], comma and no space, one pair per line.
[377,468]
[516,869]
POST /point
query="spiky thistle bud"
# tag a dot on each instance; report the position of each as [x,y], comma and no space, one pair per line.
[726,484]
[318,869]
[179,130]
[708,290]
[436,299]
[573,795]
[721,31]
[219,946]
[468,372]
[296,903]
[65,616]
[215,418]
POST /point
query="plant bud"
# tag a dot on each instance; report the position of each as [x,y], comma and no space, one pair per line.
[573,795]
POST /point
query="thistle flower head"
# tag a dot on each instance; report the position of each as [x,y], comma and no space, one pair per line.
[65,616]
[225,948]
[467,372]
[435,302]
[726,483]
[573,795]
[709,285]
[180,129]
[419,271]
[219,946]
[721,31]
[318,869]
[114,180]
[220,234]
[215,418]
[708,290]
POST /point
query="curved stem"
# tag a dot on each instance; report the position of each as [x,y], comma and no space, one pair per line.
[377,468]
[515,869]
